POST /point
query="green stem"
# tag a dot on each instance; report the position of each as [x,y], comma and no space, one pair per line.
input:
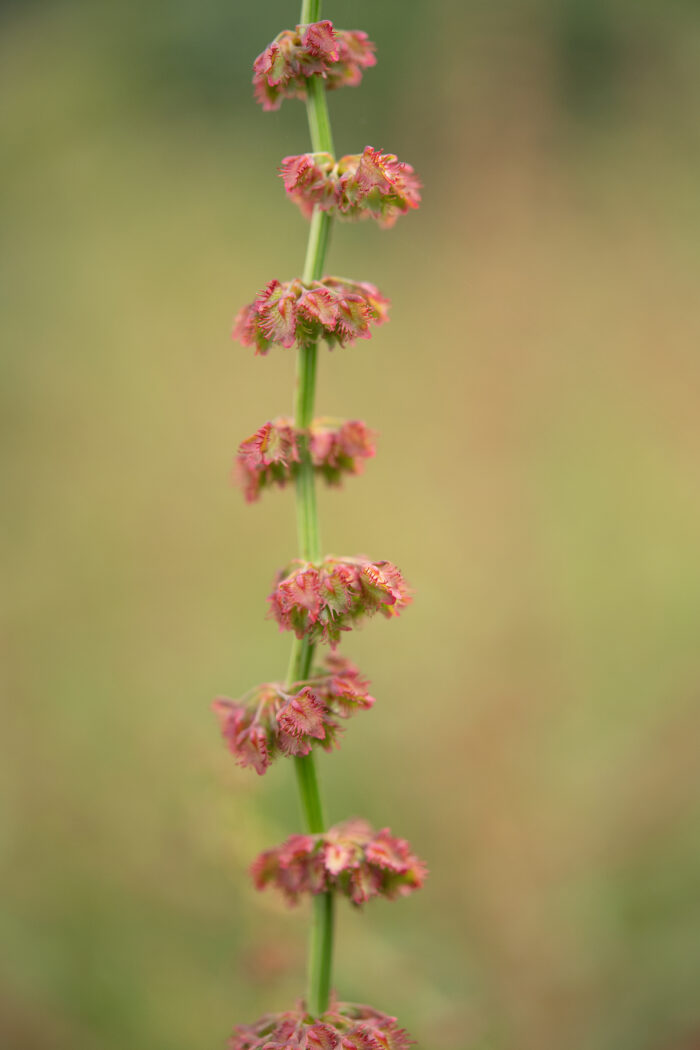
[310,11]
[317,115]
[301,658]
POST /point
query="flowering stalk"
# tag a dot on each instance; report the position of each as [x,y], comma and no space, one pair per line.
[320,958]
[316,597]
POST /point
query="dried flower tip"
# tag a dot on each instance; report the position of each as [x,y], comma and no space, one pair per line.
[350,858]
[370,184]
[319,602]
[283,68]
[333,309]
[274,720]
[271,456]
[344,1026]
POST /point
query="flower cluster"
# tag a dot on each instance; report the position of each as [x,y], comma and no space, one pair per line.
[338,55]
[319,602]
[333,309]
[358,186]
[274,720]
[344,1026]
[272,454]
[349,858]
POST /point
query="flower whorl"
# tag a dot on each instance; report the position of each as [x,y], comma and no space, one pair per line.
[319,602]
[338,55]
[271,456]
[364,185]
[274,719]
[287,312]
[350,858]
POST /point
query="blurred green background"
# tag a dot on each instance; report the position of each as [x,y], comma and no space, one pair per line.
[536,731]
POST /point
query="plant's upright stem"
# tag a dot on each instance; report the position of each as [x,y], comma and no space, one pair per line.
[321,941]
[310,11]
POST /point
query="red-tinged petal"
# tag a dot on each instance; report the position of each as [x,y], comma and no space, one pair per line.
[304,715]
[378,304]
[297,170]
[307,180]
[244,325]
[293,745]
[339,855]
[321,1036]
[347,696]
[356,47]
[264,868]
[231,715]
[271,64]
[252,450]
[338,664]
[383,583]
[322,444]
[372,171]
[413,878]
[273,289]
[246,741]
[339,587]
[320,305]
[320,41]
[389,852]
[278,320]
[268,457]
[296,848]
[301,590]
[251,750]
[279,444]
[356,440]
[364,884]
[354,316]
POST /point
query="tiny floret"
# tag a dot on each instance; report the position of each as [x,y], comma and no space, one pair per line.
[320,601]
[288,312]
[272,455]
[273,719]
[350,858]
[340,56]
[370,184]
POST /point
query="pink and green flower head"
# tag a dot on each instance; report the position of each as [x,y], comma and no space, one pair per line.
[272,455]
[274,720]
[350,858]
[340,56]
[367,185]
[288,312]
[320,601]
[343,1026]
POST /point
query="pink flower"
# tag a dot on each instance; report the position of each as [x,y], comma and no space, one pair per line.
[359,186]
[333,309]
[344,1026]
[337,55]
[350,858]
[271,455]
[304,715]
[272,720]
[321,601]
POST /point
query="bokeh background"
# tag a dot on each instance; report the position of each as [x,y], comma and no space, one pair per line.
[536,733]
